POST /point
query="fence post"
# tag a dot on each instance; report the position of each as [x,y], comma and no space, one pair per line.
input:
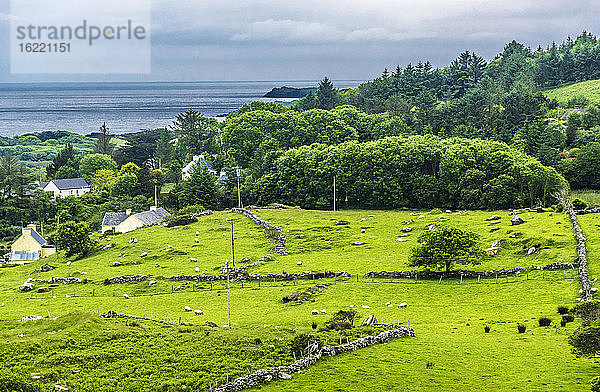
[461,277]
[496,278]
[478,276]
[440,281]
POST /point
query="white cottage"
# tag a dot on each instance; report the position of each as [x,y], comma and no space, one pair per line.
[66,187]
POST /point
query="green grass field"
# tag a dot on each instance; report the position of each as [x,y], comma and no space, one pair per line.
[589,89]
[590,197]
[448,317]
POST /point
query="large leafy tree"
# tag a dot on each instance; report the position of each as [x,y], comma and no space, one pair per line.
[74,238]
[91,163]
[444,247]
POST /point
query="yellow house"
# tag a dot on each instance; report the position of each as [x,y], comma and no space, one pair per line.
[123,222]
[30,246]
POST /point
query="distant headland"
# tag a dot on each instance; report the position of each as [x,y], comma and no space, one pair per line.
[289,92]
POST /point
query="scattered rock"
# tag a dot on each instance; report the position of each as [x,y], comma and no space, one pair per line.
[188,309]
[358,243]
[401,239]
[493,218]
[25,287]
[342,223]
[152,282]
[193,259]
[431,227]
[315,311]
[493,223]
[516,220]
[494,229]
[43,289]
[198,312]
[117,264]
[133,240]
[144,254]
[491,251]
[403,305]
[407,229]
[421,217]
[533,250]
[46,268]
[31,317]
[107,247]
[370,320]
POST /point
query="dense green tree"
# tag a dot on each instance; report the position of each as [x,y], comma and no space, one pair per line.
[445,247]
[65,157]
[74,238]
[327,97]
[103,144]
[91,163]
[200,189]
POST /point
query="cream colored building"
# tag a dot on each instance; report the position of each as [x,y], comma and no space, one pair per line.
[123,222]
[30,246]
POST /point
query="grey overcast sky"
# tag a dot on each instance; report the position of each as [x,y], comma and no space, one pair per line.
[343,39]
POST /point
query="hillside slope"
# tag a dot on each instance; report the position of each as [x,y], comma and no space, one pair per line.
[589,89]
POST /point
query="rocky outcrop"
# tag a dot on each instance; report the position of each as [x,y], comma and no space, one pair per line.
[284,372]
[273,232]
[586,294]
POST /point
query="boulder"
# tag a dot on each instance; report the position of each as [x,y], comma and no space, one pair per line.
[151,282]
[31,317]
[46,268]
[421,217]
[117,264]
[533,250]
[107,247]
[342,223]
[494,229]
[284,376]
[196,240]
[407,229]
[43,289]
[197,233]
[491,251]
[323,311]
[401,239]
[370,320]
[68,263]
[403,305]
[299,263]
[363,231]
[388,303]
[193,259]
[358,243]
[431,227]
[365,306]
[493,218]
[198,312]
[315,311]
[144,254]
[25,287]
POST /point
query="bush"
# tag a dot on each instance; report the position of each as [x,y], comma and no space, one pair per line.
[302,341]
[588,311]
[544,321]
[563,323]
[11,381]
[568,318]
[190,210]
[486,329]
[178,220]
[521,328]
[596,384]
[586,340]
[563,310]
[314,325]
[578,204]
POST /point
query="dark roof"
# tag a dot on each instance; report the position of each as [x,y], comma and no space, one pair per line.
[43,184]
[569,111]
[38,238]
[148,218]
[152,217]
[70,183]
[114,218]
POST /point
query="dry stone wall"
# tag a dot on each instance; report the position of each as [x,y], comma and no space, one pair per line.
[585,291]
[273,232]
[284,372]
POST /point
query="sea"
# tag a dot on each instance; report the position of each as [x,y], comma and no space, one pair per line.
[126,106]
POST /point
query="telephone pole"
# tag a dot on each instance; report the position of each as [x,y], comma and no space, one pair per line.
[334,193]
[237,170]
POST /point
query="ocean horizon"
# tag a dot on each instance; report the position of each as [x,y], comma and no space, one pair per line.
[81,107]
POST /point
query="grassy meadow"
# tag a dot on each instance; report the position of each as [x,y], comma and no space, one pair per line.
[589,89]
[76,348]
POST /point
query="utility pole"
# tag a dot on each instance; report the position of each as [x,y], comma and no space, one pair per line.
[232,244]
[334,192]
[237,170]
[155,195]
[228,299]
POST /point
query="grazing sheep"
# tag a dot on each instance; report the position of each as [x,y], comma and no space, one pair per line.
[403,305]
[188,309]
[365,306]
[323,311]
[197,269]
[144,254]
[125,296]
[197,233]
[196,240]
[315,311]
[193,259]
[198,312]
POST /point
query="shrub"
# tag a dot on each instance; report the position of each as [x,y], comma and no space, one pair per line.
[588,311]
[586,340]
[521,328]
[578,204]
[563,310]
[314,325]
[16,381]
[190,210]
[179,220]
[544,321]
[302,341]
[486,329]
[568,318]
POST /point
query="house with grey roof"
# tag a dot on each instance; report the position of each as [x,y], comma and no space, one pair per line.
[123,222]
[30,246]
[66,187]
[187,171]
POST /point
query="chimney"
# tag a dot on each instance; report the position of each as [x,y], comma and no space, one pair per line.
[128,211]
[27,229]
[153,208]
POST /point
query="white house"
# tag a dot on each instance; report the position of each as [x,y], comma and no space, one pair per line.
[123,222]
[66,187]
[186,172]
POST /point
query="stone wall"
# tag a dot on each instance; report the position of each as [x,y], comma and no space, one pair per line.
[127,279]
[273,232]
[463,273]
[263,376]
[585,291]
